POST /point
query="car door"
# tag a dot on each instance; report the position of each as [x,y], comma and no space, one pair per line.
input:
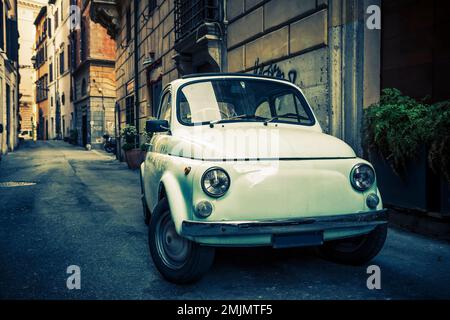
[154,164]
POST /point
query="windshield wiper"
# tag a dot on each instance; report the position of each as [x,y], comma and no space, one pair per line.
[242,116]
[286,116]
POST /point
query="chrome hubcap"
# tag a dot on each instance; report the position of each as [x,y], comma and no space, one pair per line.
[173,249]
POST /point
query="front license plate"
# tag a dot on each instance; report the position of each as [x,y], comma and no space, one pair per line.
[294,240]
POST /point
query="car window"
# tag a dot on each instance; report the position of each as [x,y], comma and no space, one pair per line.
[241,100]
[166,107]
[290,104]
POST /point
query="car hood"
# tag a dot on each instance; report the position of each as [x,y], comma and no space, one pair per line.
[240,142]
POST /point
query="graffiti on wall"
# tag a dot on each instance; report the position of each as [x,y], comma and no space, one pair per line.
[273,70]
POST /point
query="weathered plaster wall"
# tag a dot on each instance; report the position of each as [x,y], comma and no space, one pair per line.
[322,46]
[285,39]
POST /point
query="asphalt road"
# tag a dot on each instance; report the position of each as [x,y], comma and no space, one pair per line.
[84,210]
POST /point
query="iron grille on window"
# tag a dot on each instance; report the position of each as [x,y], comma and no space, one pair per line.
[190,14]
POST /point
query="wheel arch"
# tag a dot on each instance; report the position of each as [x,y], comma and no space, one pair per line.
[170,188]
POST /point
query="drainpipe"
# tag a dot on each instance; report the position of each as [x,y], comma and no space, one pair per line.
[136,65]
[225,37]
[117,131]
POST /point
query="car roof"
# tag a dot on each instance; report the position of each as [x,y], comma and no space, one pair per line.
[228,74]
[202,76]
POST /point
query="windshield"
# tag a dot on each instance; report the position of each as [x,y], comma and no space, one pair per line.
[233,100]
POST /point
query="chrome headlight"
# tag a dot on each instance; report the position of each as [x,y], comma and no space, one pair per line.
[362,177]
[215,182]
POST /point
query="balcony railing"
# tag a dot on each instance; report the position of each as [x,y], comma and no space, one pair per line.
[191,14]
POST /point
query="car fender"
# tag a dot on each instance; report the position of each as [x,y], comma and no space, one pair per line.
[141,177]
[178,204]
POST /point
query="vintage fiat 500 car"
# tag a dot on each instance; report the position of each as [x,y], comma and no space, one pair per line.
[239,160]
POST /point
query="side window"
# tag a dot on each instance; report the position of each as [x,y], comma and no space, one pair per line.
[285,104]
[166,107]
[289,104]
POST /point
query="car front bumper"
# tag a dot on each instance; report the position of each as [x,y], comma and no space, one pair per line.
[330,227]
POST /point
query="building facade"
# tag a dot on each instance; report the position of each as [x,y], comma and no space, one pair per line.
[322,46]
[27,13]
[9,76]
[60,98]
[76,92]
[93,78]
[41,75]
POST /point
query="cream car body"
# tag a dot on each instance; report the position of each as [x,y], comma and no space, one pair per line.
[302,185]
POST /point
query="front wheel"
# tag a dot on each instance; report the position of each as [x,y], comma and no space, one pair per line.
[178,259]
[357,250]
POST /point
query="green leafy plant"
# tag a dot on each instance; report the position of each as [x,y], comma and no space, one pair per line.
[146,137]
[439,151]
[398,127]
[129,135]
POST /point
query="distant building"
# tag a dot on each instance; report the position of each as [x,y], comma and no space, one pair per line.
[61,111]
[27,13]
[76,91]
[93,78]
[42,75]
[9,76]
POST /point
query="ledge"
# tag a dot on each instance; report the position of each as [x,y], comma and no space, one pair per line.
[419,222]
[106,13]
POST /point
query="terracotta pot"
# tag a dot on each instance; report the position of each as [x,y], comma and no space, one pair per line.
[134,158]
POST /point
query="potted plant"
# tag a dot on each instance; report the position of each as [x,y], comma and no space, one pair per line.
[133,154]
[407,139]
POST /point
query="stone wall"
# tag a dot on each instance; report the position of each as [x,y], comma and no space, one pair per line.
[155,38]
[9,81]
[322,46]
[284,39]
[95,72]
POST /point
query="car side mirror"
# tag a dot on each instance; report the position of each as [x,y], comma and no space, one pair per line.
[153,126]
[1,128]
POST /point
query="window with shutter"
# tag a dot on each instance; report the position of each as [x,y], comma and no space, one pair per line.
[2,26]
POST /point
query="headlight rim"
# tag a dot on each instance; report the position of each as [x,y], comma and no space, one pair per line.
[216,196]
[352,181]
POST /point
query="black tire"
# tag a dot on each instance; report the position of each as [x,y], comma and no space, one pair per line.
[355,251]
[146,211]
[178,259]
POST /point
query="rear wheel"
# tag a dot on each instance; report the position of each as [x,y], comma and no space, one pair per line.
[355,251]
[178,259]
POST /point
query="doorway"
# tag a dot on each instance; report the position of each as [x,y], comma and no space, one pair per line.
[64,127]
[8,113]
[84,130]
